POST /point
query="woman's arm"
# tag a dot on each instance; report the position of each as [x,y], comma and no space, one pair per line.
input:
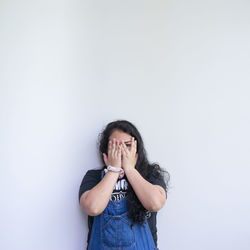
[151,196]
[95,200]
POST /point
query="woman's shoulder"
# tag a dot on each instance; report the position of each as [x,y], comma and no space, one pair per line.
[90,179]
[158,176]
[94,172]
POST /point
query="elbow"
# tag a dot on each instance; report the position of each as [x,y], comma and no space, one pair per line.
[156,204]
[93,211]
[89,208]
[154,207]
[159,200]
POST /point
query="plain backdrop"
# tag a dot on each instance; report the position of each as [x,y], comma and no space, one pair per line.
[179,70]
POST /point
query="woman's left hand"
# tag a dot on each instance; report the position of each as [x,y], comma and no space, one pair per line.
[129,156]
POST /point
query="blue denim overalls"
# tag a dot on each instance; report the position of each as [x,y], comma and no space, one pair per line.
[112,230]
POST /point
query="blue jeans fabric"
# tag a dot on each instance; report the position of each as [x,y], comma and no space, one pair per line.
[112,230]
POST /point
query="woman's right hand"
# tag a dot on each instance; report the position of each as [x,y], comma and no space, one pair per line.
[114,154]
[95,200]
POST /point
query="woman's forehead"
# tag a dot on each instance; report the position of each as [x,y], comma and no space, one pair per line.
[120,135]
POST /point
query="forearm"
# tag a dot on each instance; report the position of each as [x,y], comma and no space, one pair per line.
[151,196]
[94,201]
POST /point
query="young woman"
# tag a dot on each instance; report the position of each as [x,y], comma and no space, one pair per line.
[122,198]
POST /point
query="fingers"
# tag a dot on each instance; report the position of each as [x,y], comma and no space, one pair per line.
[134,145]
[114,152]
[124,148]
[118,149]
[113,147]
[132,150]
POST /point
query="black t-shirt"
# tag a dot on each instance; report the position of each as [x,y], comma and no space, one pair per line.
[93,177]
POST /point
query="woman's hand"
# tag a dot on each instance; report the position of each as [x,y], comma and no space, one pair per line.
[114,154]
[95,200]
[129,156]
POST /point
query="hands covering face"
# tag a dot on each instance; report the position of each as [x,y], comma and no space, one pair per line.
[121,156]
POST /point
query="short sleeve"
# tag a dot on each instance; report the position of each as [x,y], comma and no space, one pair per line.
[158,181]
[91,179]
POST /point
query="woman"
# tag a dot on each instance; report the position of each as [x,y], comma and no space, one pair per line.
[122,198]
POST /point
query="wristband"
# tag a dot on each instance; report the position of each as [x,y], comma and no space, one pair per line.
[117,170]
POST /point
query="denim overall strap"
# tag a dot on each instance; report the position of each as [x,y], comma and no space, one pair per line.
[112,230]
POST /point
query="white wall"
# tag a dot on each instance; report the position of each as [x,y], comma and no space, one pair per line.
[178,69]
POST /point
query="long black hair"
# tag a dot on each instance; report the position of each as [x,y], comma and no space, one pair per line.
[136,211]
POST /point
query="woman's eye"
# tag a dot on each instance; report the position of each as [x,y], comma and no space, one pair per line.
[128,145]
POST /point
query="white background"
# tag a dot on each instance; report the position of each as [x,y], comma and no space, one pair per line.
[179,70]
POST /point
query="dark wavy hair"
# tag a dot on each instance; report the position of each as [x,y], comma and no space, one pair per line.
[136,211]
